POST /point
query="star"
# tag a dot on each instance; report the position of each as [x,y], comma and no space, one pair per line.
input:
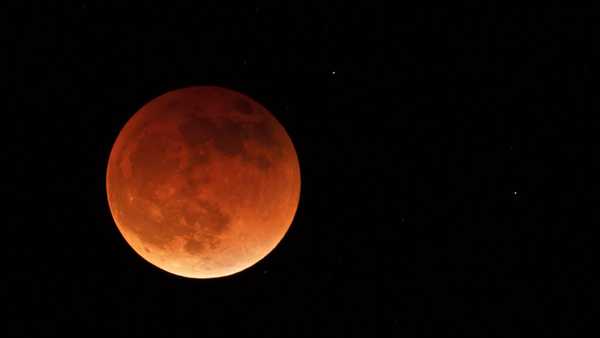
[333,73]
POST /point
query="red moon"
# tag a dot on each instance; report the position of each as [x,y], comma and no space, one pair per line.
[203,182]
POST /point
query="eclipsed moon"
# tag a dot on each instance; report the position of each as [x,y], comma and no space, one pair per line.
[203,182]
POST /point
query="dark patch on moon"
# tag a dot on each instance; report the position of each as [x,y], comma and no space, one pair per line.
[262,162]
[201,217]
[229,138]
[207,216]
[193,180]
[264,133]
[228,135]
[198,109]
[243,106]
[149,154]
[149,229]
[198,157]
[209,221]
[172,103]
[152,162]
[197,130]
[194,246]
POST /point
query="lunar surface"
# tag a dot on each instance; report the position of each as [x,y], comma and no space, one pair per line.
[203,182]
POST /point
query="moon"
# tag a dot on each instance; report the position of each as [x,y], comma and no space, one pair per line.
[203,182]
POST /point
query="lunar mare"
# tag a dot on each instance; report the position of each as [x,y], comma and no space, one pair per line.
[203,182]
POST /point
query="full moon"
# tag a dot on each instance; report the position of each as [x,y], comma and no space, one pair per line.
[203,182]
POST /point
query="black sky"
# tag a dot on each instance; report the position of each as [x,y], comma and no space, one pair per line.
[443,153]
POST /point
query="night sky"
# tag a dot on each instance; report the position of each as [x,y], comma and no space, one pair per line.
[443,154]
